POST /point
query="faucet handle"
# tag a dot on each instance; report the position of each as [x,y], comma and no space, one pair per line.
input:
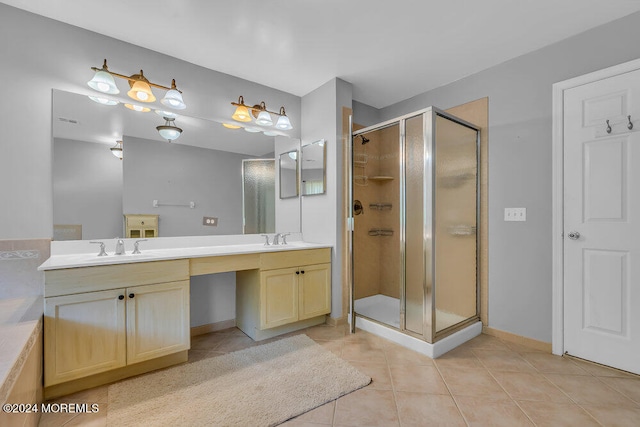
[136,249]
[266,238]
[102,251]
[284,238]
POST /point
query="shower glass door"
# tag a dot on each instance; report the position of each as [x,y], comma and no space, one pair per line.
[376,238]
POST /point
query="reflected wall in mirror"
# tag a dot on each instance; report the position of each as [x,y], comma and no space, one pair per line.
[289,174]
[93,189]
[314,168]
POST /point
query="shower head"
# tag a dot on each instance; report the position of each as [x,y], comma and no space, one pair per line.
[364,139]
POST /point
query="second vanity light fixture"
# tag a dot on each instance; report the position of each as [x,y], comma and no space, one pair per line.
[244,113]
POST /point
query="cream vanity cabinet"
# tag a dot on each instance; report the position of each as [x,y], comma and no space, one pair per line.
[108,322]
[291,290]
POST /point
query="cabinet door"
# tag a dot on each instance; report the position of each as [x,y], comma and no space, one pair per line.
[84,334]
[157,320]
[278,297]
[314,290]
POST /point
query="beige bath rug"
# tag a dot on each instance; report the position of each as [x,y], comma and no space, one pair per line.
[260,386]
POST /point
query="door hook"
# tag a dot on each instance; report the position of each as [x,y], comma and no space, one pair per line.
[630,124]
[608,127]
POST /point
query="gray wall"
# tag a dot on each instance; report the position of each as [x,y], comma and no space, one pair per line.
[519,94]
[87,188]
[174,173]
[322,215]
[39,54]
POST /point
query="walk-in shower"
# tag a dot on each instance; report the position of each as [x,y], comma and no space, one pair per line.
[414,244]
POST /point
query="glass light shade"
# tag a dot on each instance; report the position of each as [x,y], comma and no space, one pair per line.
[137,108]
[103,101]
[264,119]
[102,81]
[173,99]
[117,150]
[169,130]
[252,130]
[169,114]
[270,133]
[241,114]
[231,126]
[141,91]
[293,155]
[284,123]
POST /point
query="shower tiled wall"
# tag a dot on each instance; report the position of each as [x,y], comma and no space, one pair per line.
[19,261]
[377,258]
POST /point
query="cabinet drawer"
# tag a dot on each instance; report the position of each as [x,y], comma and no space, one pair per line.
[98,278]
[285,259]
[142,220]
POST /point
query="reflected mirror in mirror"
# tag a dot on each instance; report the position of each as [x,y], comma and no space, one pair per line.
[314,168]
[195,177]
[289,174]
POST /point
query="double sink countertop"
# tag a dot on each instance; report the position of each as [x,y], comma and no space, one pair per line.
[65,258]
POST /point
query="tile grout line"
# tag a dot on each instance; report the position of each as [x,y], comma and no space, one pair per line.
[455,401]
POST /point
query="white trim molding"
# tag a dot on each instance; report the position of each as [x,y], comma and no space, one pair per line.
[557,323]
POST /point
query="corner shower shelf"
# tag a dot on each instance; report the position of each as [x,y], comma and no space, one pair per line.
[381,178]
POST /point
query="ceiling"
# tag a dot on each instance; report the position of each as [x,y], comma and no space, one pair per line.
[388,50]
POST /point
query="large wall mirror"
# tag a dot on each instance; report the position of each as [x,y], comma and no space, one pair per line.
[198,176]
[314,168]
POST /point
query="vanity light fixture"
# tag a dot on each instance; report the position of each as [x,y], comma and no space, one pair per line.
[103,81]
[138,108]
[169,130]
[116,150]
[244,112]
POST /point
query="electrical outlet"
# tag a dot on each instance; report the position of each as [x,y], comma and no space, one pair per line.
[515,214]
[210,221]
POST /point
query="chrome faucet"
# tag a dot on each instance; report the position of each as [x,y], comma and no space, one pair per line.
[136,249]
[266,237]
[102,252]
[284,238]
[276,239]
[119,246]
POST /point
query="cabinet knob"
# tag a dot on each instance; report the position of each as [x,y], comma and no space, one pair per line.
[297,272]
[131,295]
[120,297]
[302,272]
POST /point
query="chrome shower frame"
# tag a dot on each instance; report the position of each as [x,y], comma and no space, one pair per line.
[429,115]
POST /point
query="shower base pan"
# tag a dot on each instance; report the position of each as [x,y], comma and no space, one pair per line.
[384,309]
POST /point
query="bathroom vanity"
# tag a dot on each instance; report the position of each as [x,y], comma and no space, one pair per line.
[108,318]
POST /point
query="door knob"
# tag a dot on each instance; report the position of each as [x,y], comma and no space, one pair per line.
[574,235]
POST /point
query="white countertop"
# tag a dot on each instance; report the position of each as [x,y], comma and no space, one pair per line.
[84,259]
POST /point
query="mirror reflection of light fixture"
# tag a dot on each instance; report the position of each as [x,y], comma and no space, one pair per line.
[138,108]
[252,130]
[103,101]
[116,150]
[231,126]
[270,133]
[243,113]
[163,113]
[293,155]
[103,81]
[169,130]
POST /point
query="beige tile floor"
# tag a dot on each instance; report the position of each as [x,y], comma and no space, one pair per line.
[485,382]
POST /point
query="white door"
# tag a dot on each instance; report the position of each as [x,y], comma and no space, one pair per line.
[602,222]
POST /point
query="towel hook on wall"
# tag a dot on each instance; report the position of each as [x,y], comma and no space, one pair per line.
[630,124]
[608,127]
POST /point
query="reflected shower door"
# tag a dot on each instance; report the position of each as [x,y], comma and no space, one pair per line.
[377,266]
[259,196]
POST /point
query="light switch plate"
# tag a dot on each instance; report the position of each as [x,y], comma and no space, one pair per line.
[515,214]
[210,221]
